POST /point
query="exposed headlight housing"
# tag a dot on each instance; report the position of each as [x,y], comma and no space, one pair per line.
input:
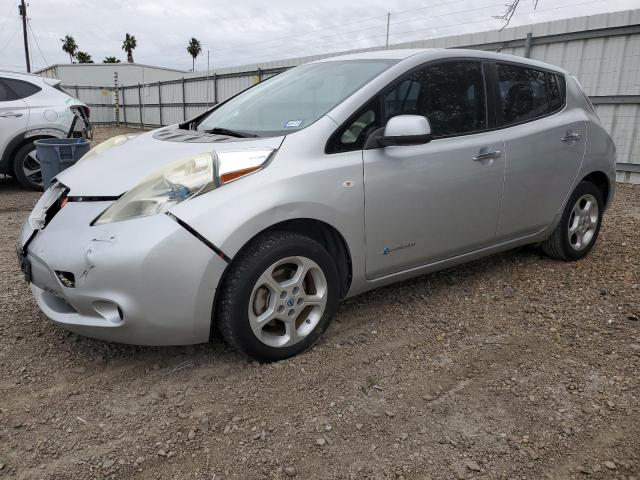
[107,145]
[182,180]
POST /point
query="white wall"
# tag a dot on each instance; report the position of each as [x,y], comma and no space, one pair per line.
[101,74]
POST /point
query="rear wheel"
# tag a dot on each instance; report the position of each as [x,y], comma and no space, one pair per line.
[578,229]
[26,167]
[279,296]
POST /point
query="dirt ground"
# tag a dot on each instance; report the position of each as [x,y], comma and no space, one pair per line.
[512,367]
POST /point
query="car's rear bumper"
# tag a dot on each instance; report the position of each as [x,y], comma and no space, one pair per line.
[146,281]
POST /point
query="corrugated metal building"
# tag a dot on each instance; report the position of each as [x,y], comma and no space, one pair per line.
[101,74]
[603,51]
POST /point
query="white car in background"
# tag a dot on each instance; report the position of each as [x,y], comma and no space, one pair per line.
[32,108]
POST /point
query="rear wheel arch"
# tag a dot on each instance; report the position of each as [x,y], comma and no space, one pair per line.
[600,180]
[16,144]
[17,158]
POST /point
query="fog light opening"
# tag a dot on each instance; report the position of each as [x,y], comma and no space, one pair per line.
[67,279]
[110,311]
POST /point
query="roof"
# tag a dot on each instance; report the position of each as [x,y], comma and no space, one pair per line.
[383,54]
[120,64]
[10,73]
[429,54]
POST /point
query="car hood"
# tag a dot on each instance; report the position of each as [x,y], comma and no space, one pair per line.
[115,171]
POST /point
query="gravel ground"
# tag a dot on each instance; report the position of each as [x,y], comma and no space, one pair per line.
[512,367]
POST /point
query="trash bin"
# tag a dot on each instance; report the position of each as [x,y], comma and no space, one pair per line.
[57,154]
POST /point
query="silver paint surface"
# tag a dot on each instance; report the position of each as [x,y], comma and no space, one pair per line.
[432,205]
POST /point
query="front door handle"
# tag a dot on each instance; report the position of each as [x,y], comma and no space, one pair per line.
[571,136]
[10,114]
[488,155]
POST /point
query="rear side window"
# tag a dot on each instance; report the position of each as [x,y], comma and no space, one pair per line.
[523,92]
[5,94]
[557,88]
[527,93]
[21,88]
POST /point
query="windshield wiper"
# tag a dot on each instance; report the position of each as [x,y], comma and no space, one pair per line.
[231,133]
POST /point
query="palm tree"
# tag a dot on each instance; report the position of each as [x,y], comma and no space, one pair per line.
[83,57]
[194,48]
[129,45]
[69,46]
[110,60]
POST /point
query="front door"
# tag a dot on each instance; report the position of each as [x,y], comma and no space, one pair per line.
[434,201]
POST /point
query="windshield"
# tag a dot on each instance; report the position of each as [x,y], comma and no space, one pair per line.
[294,99]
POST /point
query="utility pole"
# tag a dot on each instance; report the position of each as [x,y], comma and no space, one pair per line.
[22,9]
[116,103]
[388,21]
[207,82]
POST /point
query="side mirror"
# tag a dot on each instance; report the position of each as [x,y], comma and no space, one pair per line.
[404,130]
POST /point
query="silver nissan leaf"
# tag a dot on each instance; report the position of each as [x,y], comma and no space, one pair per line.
[254,219]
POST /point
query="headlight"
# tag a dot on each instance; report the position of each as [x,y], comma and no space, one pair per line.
[107,145]
[182,180]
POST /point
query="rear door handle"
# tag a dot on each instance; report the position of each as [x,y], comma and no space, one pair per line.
[488,155]
[571,136]
[10,114]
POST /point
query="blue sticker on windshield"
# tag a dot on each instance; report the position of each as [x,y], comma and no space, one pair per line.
[293,124]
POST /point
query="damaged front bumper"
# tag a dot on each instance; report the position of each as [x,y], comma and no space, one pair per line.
[146,281]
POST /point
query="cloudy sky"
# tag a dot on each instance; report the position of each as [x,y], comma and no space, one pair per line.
[249,31]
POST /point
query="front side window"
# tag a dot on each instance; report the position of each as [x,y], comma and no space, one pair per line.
[451,95]
[20,88]
[523,93]
[294,99]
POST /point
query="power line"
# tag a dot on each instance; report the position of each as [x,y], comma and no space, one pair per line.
[435,28]
[38,45]
[6,20]
[332,27]
[431,17]
[11,38]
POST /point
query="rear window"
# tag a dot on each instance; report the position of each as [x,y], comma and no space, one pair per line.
[21,88]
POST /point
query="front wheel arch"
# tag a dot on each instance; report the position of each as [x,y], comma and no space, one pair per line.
[323,233]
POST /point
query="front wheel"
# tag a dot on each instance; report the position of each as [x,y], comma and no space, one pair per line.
[278,297]
[579,226]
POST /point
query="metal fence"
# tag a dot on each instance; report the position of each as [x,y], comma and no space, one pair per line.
[164,103]
[605,59]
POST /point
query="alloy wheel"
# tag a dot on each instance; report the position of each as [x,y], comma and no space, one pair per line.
[287,301]
[31,168]
[583,222]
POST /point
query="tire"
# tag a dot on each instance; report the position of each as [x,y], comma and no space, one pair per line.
[23,160]
[247,296]
[567,245]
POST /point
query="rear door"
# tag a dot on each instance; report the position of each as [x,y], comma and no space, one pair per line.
[14,115]
[545,143]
